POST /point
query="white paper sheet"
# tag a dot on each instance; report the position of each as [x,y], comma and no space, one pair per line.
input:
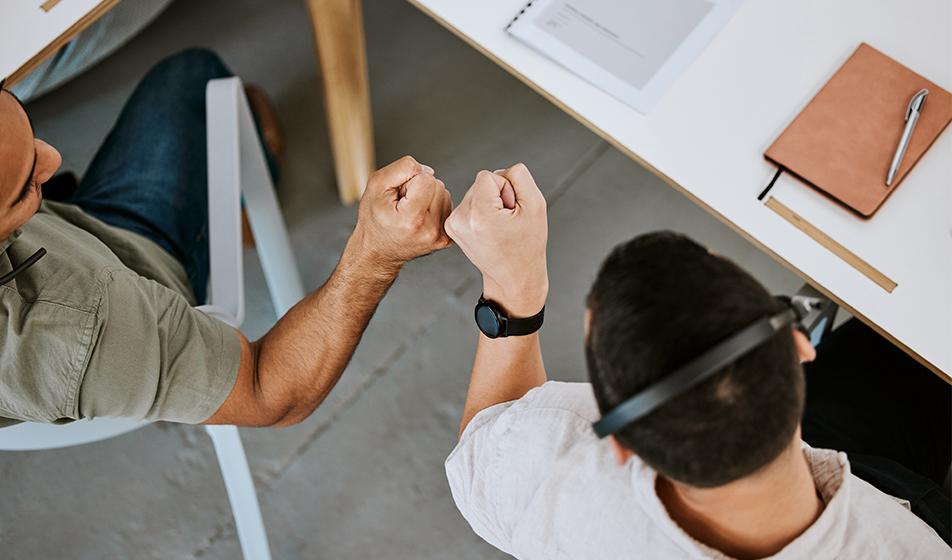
[632,49]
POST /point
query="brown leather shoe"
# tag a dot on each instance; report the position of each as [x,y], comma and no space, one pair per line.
[271,130]
[273,137]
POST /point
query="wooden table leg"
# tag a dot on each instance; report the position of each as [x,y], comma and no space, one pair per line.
[339,35]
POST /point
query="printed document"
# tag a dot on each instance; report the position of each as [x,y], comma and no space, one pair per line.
[632,49]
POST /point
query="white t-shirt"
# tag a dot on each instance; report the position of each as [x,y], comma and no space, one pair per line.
[533,480]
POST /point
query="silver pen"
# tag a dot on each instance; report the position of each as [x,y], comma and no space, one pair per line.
[912,117]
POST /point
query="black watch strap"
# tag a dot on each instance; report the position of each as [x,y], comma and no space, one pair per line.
[516,326]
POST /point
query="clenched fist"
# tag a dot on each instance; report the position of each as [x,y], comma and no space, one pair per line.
[501,227]
[401,214]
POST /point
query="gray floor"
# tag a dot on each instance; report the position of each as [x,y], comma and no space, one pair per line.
[362,478]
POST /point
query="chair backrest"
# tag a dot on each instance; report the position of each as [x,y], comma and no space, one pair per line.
[236,159]
[235,163]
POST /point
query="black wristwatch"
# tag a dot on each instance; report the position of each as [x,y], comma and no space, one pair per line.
[493,321]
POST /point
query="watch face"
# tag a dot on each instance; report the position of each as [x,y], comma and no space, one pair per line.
[487,321]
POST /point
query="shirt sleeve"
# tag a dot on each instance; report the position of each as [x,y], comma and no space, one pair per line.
[509,449]
[155,357]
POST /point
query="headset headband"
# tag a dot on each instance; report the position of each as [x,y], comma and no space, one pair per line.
[693,372]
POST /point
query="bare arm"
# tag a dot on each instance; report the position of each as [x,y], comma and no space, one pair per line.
[286,374]
[499,208]
[505,369]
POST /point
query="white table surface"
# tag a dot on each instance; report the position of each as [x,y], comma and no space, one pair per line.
[26,30]
[708,134]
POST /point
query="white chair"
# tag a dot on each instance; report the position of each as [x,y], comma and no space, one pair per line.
[236,167]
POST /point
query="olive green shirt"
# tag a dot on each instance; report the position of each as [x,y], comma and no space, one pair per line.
[103,325]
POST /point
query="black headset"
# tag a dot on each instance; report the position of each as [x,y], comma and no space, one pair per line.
[808,311]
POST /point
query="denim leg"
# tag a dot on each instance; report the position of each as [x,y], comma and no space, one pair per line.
[150,176]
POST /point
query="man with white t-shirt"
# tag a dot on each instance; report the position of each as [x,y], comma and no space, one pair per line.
[698,385]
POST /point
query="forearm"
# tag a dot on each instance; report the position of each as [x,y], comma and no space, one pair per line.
[502,228]
[505,369]
[300,359]
[284,376]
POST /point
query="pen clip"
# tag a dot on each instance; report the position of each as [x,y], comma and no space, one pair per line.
[916,103]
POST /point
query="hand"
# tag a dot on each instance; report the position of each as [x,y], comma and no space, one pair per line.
[401,214]
[501,227]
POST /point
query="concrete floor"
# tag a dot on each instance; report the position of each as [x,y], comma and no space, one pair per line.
[362,478]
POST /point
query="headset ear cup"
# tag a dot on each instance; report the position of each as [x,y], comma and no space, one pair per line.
[787,302]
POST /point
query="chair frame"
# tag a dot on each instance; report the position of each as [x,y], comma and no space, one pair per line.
[237,168]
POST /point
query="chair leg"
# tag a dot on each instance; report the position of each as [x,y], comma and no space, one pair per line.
[241,492]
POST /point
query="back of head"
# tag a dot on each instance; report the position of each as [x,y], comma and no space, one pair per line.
[659,301]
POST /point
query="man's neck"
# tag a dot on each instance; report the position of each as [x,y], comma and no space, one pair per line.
[752,517]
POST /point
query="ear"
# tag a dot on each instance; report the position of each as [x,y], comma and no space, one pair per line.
[588,320]
[622,454]
[805,351]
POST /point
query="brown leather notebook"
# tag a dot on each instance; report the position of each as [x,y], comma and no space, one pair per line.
[843,142]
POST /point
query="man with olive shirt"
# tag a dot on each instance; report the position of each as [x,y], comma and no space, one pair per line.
[104,325]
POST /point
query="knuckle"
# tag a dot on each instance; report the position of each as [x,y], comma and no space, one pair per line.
[452,217]
[456,225]
[453,234]
[407,161]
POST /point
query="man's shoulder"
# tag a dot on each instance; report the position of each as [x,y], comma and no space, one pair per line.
[95,247]
[576,399]
[51,316]
[555,415]
[72,273]
[533,475]
[879,526]
[545,441]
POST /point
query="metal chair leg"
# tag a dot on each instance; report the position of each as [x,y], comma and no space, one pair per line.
[241,492]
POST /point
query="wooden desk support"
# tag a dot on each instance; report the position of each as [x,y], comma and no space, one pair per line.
[339,34]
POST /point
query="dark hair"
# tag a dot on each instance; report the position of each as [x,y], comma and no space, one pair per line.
[659,301]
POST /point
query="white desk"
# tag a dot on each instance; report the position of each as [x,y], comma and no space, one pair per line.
[707,135]
[31,30]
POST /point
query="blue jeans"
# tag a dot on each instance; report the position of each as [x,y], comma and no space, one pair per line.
[150,176]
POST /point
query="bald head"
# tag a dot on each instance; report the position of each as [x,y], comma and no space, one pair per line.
[25,164]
